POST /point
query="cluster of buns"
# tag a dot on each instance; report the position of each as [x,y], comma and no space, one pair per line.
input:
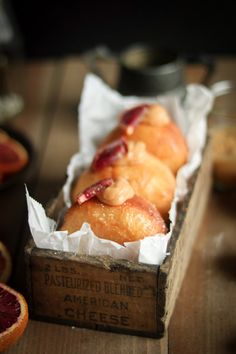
[126,193]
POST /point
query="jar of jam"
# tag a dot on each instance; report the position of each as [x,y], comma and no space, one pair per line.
[222,130]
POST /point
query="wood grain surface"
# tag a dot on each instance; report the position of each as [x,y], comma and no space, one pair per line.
[204,319]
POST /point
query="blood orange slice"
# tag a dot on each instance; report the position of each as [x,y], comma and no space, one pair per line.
[5,264]
[132,117]
[93,190]
[13,156]
[110,153]
[13,316]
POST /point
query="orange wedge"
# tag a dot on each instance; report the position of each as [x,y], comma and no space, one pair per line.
[13,316]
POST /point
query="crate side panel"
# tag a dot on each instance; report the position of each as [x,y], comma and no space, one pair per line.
[90,296]
[173,270]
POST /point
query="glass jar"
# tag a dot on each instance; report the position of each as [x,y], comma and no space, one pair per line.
[222,130]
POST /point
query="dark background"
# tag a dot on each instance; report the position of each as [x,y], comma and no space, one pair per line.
[59,28]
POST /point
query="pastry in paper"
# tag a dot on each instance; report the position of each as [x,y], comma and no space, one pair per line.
[114,212]
[151,124]
[150,178]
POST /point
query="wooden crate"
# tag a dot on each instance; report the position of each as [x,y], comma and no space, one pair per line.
[112,295]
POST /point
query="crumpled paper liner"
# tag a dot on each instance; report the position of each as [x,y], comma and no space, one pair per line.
[98,112]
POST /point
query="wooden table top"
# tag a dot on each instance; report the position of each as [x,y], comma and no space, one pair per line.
[204,319]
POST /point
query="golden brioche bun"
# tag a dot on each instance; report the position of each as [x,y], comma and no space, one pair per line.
[131,221]
[161,136]
[150,178]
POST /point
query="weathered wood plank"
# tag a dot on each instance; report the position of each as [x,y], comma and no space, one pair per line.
[205,307]
[181,248]
[93,293]
[47,338]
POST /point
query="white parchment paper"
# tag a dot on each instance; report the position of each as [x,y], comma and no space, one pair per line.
[98,111]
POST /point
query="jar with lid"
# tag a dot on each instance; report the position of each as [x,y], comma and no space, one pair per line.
[222,131]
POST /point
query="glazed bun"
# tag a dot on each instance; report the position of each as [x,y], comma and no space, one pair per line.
[152,125]
[150,178]
[128,220]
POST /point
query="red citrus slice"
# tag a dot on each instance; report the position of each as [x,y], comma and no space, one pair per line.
[132,117]
[13,316]
[93,190]
[13,156]
[5,264]
[110,153]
